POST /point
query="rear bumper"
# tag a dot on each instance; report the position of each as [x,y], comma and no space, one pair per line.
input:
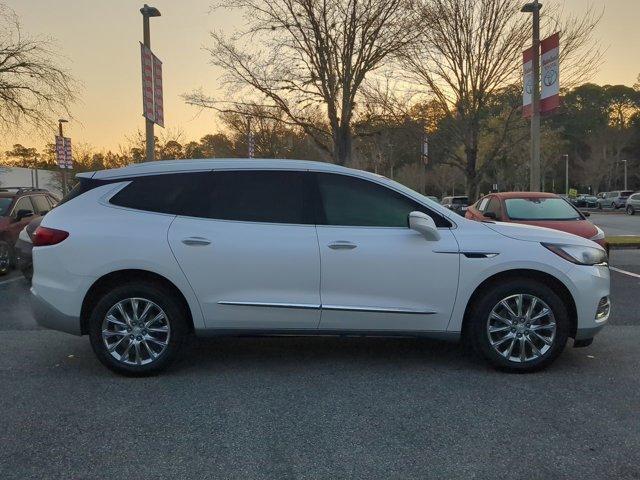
[50,317]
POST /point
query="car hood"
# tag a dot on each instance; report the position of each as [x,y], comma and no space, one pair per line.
[531,233]
[582,228]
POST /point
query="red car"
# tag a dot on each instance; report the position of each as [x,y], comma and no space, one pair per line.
[536,208]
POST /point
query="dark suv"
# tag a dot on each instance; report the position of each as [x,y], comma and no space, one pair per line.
[18,206]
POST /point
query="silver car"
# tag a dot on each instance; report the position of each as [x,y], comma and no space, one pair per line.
[633,204]
[615,200]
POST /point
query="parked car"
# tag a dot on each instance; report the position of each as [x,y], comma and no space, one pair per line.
[615,200]
[18,205]
[585,200]
[458,204]
[633,204]
[435,199]
[24,246]
[138,257]
[539,209]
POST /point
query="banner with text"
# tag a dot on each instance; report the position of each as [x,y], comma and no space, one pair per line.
[527,82]
[550,73]
[152,101]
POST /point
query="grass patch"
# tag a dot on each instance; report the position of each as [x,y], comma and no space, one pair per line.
[624,241]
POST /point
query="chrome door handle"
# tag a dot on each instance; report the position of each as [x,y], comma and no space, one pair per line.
[342,245]
[196,241]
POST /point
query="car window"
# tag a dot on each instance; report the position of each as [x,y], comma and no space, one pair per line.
[482,204]
[256,196]
[42,206]
[351,201]
[540,209]
[460,201]
[626,193]
[22,204]
[494,207]
[5,203]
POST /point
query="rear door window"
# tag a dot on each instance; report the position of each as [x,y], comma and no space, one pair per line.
[41,204]
[22,204]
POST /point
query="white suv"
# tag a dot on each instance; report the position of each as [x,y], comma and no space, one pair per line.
[139,257]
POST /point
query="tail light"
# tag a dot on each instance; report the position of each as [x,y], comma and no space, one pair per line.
[44,236]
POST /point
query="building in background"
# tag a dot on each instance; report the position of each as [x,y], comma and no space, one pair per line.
[26,177]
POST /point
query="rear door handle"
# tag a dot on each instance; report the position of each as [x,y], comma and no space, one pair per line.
[196,241]
[342,245]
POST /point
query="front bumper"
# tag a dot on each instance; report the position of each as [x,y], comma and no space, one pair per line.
[590,284]
[50,317]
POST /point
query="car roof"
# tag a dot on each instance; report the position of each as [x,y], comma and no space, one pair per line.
[505,195]
[207,164]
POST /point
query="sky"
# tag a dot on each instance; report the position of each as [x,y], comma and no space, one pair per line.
[98,41]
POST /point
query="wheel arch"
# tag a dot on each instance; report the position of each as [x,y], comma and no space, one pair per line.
[545,278]
[117,277]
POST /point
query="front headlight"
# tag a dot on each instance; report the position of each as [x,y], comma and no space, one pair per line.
[578,254]
[599,235]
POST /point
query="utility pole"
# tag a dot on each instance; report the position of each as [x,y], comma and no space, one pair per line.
[566,174]
[148,12]
[625,173]
[534,171]
[64,169]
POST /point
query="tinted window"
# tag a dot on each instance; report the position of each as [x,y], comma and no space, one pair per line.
[41,204]
[356,202]
[160,193]
[626,193]
[22,204]
[482,204]
[494,206]
[5,203]
[254,196]
[540,209]
[460,201]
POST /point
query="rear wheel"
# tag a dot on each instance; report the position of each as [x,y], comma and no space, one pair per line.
[520,326]
[5,258]
[630,210]
[137,329]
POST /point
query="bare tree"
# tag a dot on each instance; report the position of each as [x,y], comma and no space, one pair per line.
[306,61]
[469,51]
[34,89]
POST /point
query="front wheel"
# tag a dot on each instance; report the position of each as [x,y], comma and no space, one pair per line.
[630,210]
[137,329]
[520,326]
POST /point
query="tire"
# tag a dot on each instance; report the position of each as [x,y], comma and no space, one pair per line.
[6,256]
[164,336]
[505,354]
[599,206]
[631,210]
[27,272]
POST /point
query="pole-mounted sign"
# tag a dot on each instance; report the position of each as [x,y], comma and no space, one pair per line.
[152,102]
[64,155]
[549,73]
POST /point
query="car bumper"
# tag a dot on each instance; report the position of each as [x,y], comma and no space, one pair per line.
[590,285]
[48,316]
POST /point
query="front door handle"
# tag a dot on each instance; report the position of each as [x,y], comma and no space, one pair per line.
[342,245]
[196,241]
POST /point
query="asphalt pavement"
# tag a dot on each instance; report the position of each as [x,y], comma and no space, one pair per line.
[617,223]
[320,408]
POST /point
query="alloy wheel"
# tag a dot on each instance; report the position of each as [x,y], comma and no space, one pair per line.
[521,328]
[136,331]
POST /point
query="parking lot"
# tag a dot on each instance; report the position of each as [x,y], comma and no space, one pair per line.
[320,407]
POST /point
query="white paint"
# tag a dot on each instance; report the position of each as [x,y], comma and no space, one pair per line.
[631,274]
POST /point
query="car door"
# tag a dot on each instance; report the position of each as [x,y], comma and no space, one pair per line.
[248,246]
[377,274]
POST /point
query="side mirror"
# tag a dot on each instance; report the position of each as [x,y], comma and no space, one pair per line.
[424,224]
[23,214]
[491,215]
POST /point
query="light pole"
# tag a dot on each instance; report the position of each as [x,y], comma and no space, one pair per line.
[566,174]
[64,167]
[534,177]
[625,173]
[148,12]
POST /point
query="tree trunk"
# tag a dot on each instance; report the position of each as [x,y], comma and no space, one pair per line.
[342,145]
[471,173]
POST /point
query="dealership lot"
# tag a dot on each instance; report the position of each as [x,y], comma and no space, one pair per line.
[320,407]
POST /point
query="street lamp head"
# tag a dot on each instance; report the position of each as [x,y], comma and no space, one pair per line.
[62,120]
[148,11]
[531,7]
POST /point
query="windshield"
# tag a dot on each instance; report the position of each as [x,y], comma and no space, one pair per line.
[626,193]
[460,200]
[5,203]
[540,209]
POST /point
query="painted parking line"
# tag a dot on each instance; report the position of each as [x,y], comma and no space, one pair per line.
[11,280]
[631,274]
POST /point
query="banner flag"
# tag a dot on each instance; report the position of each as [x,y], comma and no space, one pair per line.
[527,82]
[550,72]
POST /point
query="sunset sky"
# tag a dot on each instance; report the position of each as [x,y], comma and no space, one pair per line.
[99,40]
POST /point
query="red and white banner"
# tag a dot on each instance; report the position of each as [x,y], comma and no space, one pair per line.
[64,155]
[550,73]
[527,82]
[158,106]
[147,82]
